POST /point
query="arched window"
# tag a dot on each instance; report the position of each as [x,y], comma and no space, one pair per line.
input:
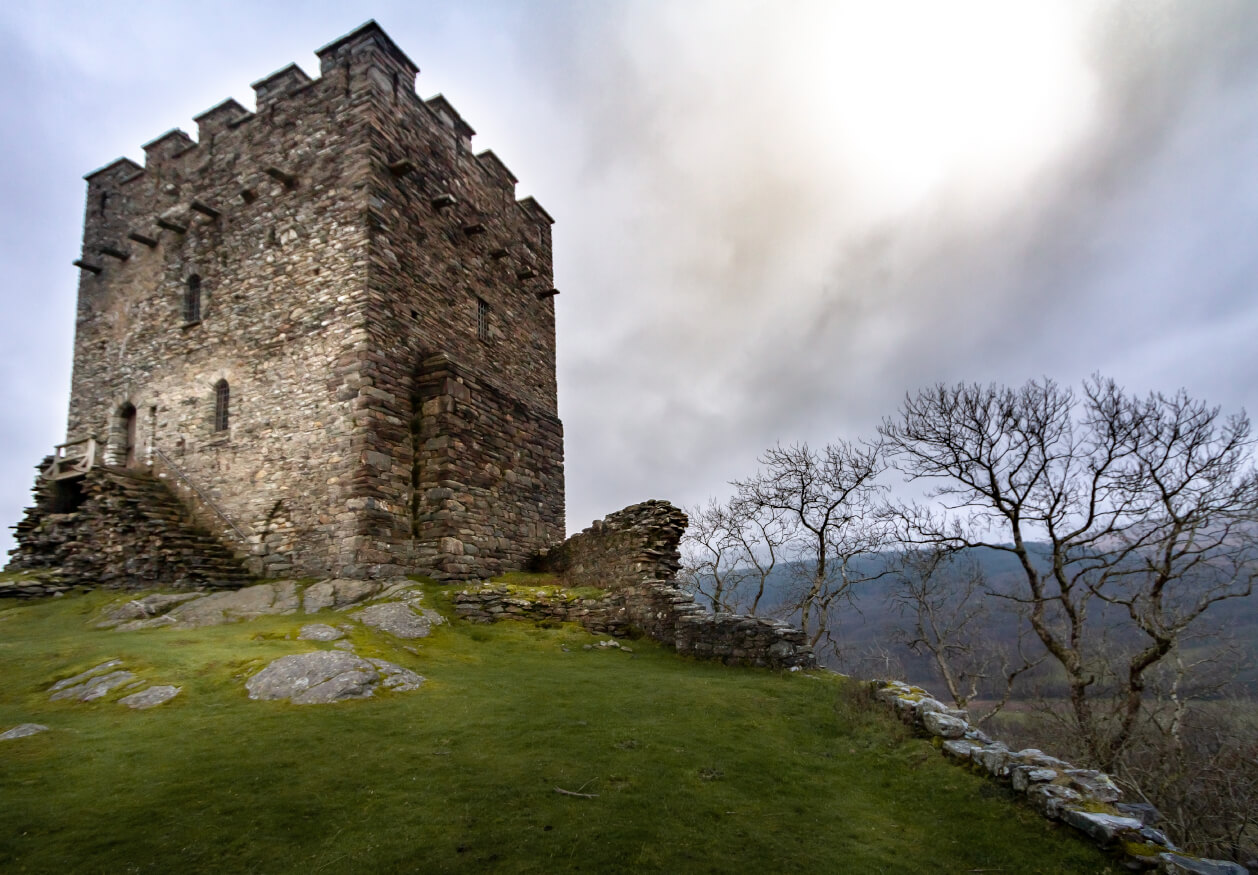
[222,398]
[192,300]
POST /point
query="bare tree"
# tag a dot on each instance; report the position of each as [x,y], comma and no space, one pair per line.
[711,554]
[950,607]
[1141,508]
[730,552]
[1203,779]
[762,536]
[827,500]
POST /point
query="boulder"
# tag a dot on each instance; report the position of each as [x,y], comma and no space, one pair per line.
[150,698]
[1051,800]
[993,758]
[320,632]
[1024,776]
[328,676]
[218,608]
[337,593]
[396,588]
[943,725]
[1095,785]
[959,748]
[396,678]
[145,608]
[95,687]
[83,676]
[1144,811]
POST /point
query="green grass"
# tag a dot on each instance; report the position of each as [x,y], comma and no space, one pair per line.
[697,767]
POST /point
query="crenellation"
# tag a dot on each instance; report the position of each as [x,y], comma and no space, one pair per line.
[280,84]
[497,171]
[535,211]
[114,172]
[219,117]
[367,55]
[450,118]
[168,146]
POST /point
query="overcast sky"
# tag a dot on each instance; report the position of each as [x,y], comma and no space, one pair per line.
[773,219]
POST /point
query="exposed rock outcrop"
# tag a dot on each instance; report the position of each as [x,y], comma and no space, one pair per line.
[22,730]
[326,676]
[150,698]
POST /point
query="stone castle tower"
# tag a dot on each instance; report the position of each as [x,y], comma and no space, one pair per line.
[328,327]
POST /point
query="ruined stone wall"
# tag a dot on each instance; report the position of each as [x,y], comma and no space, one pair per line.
[340,235]
[634,555]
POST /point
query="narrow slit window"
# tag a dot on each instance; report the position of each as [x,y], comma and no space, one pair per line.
[482,319]
[222,399]
[192,300]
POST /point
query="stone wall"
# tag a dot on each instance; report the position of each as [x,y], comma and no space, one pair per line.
[633,555]
[274,260]
[1084,799]
[332,241]
[489,478]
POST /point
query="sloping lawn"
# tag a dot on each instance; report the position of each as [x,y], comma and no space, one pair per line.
[690,767]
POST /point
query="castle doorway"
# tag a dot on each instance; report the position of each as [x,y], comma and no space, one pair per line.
[127,450]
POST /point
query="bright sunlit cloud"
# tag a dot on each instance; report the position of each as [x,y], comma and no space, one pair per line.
[915,93]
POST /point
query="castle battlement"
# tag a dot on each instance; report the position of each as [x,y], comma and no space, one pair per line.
[230,152]
[335,319]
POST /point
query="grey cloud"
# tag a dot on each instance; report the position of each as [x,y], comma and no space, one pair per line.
[727,282]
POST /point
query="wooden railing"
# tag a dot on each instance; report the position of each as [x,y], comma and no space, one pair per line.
[73,459]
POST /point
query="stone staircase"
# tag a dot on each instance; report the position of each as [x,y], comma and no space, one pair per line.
[126,528]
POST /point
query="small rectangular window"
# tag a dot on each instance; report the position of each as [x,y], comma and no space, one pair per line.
[192,300]
[482,319]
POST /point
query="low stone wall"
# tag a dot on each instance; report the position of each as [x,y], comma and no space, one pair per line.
[633,555]
[33,587]
[489,602]
[1085,799]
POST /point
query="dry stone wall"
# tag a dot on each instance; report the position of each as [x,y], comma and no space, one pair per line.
[1085,799]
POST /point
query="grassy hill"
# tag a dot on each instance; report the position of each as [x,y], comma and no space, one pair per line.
[691,767]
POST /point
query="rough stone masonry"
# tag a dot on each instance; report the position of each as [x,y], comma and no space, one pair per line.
[332,324]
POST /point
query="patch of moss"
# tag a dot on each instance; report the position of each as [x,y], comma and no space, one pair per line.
[27,575]
[1142,849]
